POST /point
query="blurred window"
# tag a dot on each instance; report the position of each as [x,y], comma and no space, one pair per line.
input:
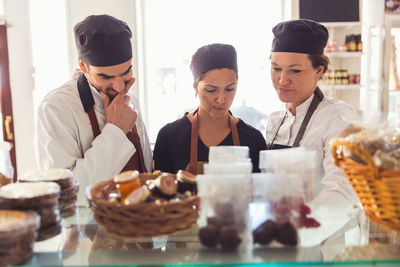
[174,29]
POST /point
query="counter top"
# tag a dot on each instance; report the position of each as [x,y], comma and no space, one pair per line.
[344,238]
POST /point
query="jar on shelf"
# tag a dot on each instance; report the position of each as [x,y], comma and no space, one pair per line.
[329,77]
[352,79]
[359,43]
[357,78]
[345,77]
[352,43]
[338,77]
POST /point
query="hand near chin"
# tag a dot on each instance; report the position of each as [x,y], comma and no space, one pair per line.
[118,111]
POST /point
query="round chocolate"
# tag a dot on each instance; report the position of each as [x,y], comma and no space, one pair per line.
[208,236]
[229,237]
[265,233]
[286,234]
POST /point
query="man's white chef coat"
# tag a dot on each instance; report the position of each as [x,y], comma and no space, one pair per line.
[64,138]
[330,118]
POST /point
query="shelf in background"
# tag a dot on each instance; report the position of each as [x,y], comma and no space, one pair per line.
[344,54]
[342,24]
[341,87]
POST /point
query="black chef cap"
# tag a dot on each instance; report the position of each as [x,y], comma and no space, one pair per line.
[300,36]
[103,40]
[213,56]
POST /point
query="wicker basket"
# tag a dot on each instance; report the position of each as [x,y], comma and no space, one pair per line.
[377,188]
[143,219]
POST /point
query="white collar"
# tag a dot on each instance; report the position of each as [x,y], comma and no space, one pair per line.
[301,109]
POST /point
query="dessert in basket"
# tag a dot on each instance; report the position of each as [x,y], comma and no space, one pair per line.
[147,204]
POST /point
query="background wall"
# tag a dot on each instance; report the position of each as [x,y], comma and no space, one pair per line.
[21,81]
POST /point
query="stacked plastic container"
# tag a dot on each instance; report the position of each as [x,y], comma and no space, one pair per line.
[296,161]
[280,194]
[225,191]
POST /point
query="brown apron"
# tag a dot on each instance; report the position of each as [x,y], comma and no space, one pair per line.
[194,166]
[136,162]
[318,97]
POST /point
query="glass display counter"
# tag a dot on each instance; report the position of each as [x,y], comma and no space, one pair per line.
[345,237]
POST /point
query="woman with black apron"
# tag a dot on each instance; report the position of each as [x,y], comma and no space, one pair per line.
[309,119]
[184,144]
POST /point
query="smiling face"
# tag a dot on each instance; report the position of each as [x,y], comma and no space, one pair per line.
[110,80]
[294,77]
[216,91]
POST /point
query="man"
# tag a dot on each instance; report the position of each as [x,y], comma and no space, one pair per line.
[91,124]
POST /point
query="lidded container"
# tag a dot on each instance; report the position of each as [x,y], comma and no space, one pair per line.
[278,209]
[225,154]
[298,161]
[223,221]
[127,182]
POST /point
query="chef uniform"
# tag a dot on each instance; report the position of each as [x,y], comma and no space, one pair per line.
[318,119]
[71,130]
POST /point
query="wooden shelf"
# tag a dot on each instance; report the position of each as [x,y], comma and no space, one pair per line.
[344,54]
[341,87]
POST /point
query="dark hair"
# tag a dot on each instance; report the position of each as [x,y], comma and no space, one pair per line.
[319,60]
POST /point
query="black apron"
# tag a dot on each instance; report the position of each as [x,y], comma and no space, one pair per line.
[136,162]
[318,96]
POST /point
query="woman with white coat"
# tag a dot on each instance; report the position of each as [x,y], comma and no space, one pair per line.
[309,118]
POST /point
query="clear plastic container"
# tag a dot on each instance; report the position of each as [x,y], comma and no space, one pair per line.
[223,221]
[225,154]
[298,161]
[225,168]
[272,220]
[278,210]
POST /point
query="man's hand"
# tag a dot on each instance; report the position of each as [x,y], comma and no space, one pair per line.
[118,111]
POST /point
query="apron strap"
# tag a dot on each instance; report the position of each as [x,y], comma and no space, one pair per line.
[136,162]
[318,97]
[235,135]
[195,136]
[94,123]
[194,144]
[137,159]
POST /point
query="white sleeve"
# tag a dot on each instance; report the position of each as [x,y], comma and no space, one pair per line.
[58,145]
[335,185]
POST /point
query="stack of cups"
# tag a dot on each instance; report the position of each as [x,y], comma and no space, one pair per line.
[231,160]
[225,191]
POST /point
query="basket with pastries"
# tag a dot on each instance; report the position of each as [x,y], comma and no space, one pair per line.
[146,205]
[370,158]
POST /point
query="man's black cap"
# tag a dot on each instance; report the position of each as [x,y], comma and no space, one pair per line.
[102,40]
